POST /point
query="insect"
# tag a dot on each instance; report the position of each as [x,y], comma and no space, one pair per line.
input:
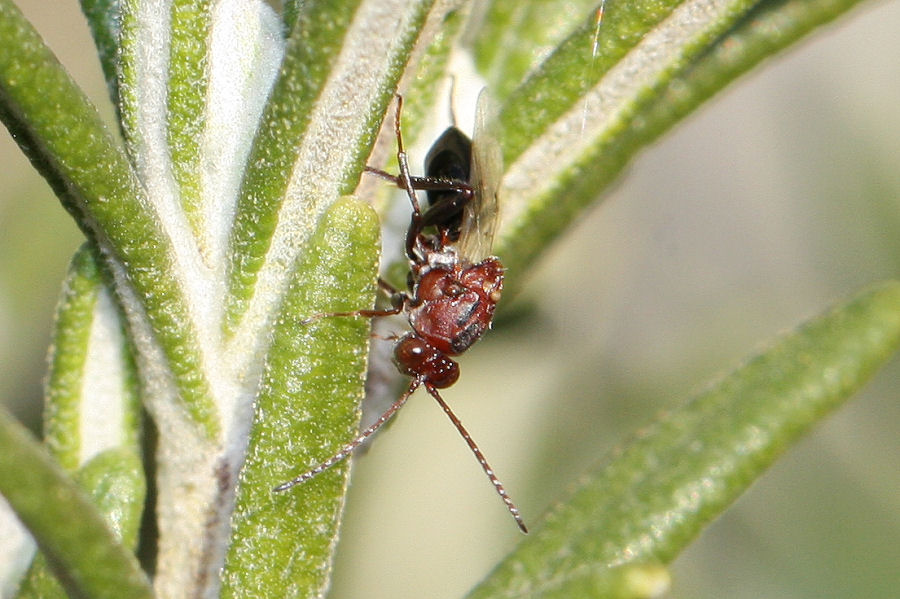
[454,284]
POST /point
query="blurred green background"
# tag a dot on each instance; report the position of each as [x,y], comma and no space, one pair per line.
[775,200]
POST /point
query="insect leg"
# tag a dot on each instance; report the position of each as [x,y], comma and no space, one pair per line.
[387,288]
[405,181]
[361,313]
[421,183]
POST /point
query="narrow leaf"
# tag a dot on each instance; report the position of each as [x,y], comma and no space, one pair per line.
[81,549]
[54,123]
[321,120]
[425,81]
[92,412]
[92,402]
[245,50]
[650,499]
[517,36]
[186,95]
[312,49]
[628,581]
[573,69]
[654,63]
[307,409]
[771,26]
[114,482]
[580,99]
[63,135]
[68,354]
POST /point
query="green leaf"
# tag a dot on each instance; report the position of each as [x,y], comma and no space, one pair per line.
[68,354]
[92,402]
[559,84]
[338,63]
[81,549]
[313,47]
[114,482]
[307,409]
[648,500]
[62,134]
[517,36]
[577,103]
[55,124]
[770,27]
[629,581]
[425,82]
[655,62]
[187,97]
[92,412]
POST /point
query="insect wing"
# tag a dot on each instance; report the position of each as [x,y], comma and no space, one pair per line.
[482,214]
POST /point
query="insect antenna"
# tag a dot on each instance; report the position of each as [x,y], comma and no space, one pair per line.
[513,510]
[347,449]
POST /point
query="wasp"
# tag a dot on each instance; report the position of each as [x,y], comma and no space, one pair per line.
[454,283]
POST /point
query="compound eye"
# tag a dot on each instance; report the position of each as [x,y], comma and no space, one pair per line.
[410,353]
[416,358]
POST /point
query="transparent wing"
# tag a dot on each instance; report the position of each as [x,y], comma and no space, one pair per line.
[481,216]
